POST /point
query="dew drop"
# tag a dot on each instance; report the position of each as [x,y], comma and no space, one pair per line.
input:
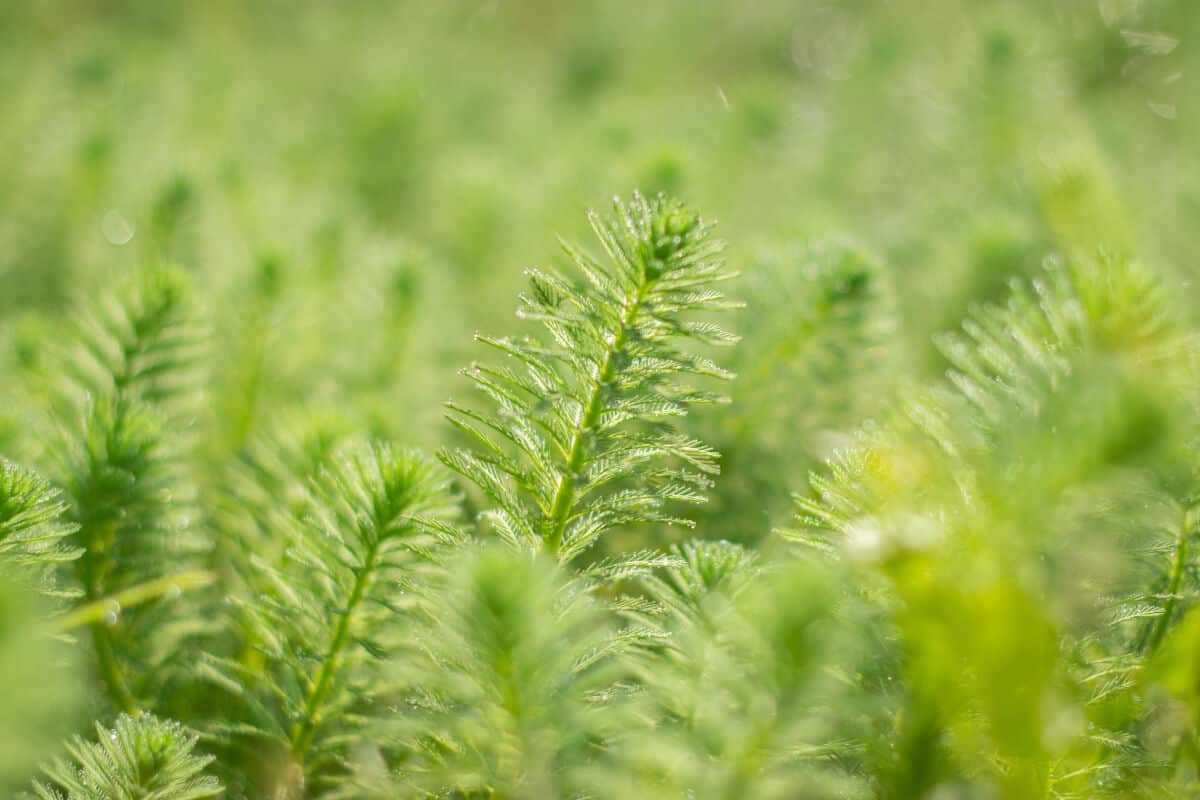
[116,229]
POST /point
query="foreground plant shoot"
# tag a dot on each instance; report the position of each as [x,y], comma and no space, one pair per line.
[987,591]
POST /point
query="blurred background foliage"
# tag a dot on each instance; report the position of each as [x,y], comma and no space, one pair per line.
[355,186]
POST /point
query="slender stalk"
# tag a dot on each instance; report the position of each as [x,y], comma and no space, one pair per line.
[102,642]
[94,611]
[110,670]
[304,730]
[564,495]
[1178,565]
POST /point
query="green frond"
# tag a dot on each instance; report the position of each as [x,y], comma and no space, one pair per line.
[632,565]
[139,758]
[582,412]
[122,469]
[1043,424]
[508,682]
[1011,357]
[32,532]
[821,320]
[1095,326]
[324,616]
[258,501]
[703,568]
[834,333]
[271,477]
[745,702]
[142,343]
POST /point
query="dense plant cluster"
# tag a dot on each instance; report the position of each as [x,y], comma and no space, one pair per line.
[987,588]
[894,497]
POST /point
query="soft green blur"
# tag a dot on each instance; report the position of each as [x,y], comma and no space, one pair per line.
[353,189]
[357,185]
[41,689]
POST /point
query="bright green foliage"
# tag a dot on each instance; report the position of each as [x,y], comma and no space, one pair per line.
[120,467]
[139,758]
[326,614]
[40,690]
[972,482]
[267,487]
[704,570]
[831,344]
[581,414]
[1096,325]
[991,592]
[747,697]
[138,345]
[510,683]
[31,531]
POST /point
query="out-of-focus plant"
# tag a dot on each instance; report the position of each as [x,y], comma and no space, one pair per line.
[1003,508]
[833,345]
[124,478]
[41,696]
[321,617]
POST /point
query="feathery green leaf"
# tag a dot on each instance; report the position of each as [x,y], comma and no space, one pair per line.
[594,405]
[139,758]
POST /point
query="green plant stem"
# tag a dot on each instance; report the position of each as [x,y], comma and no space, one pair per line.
[1178,564]
[102,643]
[564,495]
[94,611]
[304,730]
[110,670]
